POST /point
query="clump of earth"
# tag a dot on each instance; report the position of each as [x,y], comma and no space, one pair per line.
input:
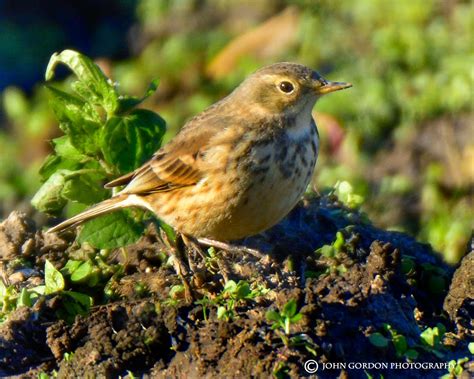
[345,295]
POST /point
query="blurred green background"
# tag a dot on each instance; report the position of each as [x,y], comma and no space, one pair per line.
[402,136]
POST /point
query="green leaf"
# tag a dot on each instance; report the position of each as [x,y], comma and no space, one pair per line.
[82,273]
[297,317]
[127,103]
[378,340]
[48,198]
[24,300]
[54,163]
[75,121]
[85,189]
[230,286]
[110,231]
[400,343]
[339,242]
[289,309]
[54,280]
[64,148]
[70,266]
[170,233]
[471,347]
[431,336]
[411,354]
[128,141]
[221,312]
[243,290]
[75,303]
[94,85]
[273,316]
[327,251]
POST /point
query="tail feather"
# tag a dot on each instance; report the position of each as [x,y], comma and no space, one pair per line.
[105,206]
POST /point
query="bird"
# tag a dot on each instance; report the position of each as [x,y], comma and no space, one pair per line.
[237,168]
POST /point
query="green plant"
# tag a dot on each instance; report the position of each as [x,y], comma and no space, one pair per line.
[331,250]
[346,194]
[281,370]
[73,303]
[430,341]
[105,135]
[285,318]
[398,341]
[232,295]
[455,368]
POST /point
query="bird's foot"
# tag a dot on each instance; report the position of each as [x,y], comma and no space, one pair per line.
[231,247]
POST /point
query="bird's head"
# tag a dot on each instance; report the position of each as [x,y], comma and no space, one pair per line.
[286,88]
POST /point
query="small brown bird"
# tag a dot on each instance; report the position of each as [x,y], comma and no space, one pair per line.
[237,168]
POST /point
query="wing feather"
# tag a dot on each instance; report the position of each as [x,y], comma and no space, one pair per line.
[176,165]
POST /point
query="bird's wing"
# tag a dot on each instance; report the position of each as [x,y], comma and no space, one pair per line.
[175,165]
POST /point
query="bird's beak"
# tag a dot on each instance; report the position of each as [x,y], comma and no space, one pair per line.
[331,87]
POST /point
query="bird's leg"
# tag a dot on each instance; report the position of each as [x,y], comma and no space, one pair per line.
[191,248]
[179,267]
[229,247]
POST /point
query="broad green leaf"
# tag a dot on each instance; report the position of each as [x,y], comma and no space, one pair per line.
[400,343]
[53,279]
[94,84]
[339,242]
[429,336]
[128,141]
[77,106]
[74,303]
[289,309]
[297,317]
[48,198]
[24,300]
[273,316]
[82,273]
[110,231]
[327,251]
[127,103]
[378,340]
[243,290]
[170,233]
[83,131]
[55,163]
[230,286]
[70,266]
[64,148]
[85,189]
[221,312]
[411,354]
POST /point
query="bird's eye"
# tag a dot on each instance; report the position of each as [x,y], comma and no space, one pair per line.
[286,87]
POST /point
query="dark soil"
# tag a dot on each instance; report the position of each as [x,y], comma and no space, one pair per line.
[378,277]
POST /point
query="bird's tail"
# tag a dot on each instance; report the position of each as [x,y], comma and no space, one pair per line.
[105,206]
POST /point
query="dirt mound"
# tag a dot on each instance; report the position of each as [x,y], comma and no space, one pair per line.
[355,292]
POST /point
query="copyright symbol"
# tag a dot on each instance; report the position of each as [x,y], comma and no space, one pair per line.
[311,366]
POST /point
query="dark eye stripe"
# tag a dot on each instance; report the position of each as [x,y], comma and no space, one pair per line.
[286,87]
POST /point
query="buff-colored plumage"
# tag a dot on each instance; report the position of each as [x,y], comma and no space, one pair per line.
[237,168]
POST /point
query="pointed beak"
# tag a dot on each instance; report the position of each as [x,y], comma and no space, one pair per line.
[328,86]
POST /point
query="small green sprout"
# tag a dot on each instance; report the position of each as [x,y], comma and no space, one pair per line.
[346,195]
[286,317]
[232,295]
[398,341]
[455,368]
[432,340]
